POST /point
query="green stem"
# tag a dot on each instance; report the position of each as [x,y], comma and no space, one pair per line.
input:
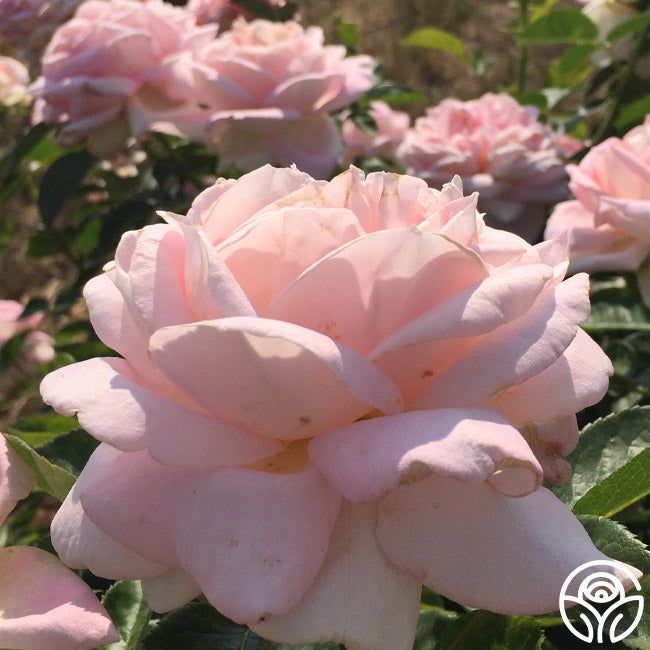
[622,91]
[524,48]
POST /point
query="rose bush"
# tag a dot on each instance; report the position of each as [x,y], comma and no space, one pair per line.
[392,127]
[269,88]
[609,222]
[43,604]
[106,72]
[499,148]
[326,379]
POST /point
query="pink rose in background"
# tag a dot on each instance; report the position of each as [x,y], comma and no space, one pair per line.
[111,63]
[29,24]
[222,12]
[14,79]
[392,127]
[331,379]
[269,88]
[499,148]
[609,223]
[11,322]
[39,348]
[43,604]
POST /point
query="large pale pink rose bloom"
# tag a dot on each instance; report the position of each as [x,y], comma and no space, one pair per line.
[12,322]
[392,127]
[29,24]
[107,70]
[222,12]
[609,222]
[42,603]
[14,78]
[499,148]
[331,393]
[269,88]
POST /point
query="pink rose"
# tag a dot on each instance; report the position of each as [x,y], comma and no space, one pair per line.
[222,12]
[11,322]
[39,348]
[14,78]
[392,127]
[29,24]
[609,223]
[331,389]
[270,88]
[499,148]
[111,63]
[43,604]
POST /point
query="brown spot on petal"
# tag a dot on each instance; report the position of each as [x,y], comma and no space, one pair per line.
[293,458]
[304,420]
[426,373]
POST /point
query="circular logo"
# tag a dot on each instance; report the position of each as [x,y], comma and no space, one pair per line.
[602,587]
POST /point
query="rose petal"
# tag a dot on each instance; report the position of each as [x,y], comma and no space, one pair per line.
[170,590]
[482,549]
[16,481]
[365,290]
[45,605]
[248,562]
[274,378]
[269,253]
[115,407]
[515,351]
[359,599]
[468,444]
[579,378]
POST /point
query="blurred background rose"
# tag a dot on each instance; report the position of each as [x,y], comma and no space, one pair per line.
[500,149]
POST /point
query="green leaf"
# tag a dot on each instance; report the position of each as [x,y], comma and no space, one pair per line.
[633,113]
[36,430]
[631,26]
[617,308]
[88,237]
[573,67]
[542,10]
[348,34]
[604,454]
[532,98]
[621,489]
[126,605]
[488,631]
[62,180]
[432,623]
[11,350]
[70,450]
[45,243]
[25,145]
[198,626]
[49,478]
[564,25]
[392,93]
[617,542]
[437,39]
